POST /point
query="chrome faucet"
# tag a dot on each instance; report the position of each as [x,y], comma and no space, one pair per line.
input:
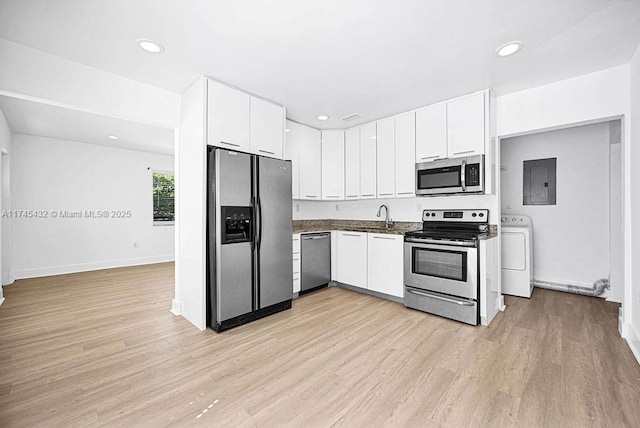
[387,221]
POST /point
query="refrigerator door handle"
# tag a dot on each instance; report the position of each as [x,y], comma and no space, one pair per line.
[259,237]
[254,226]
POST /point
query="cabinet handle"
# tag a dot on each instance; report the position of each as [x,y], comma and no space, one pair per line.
[384,237]
[352,196]
[230,144]
[368,195]
[462,153]
[405,193]
[429,157]
[266,151]
[385,194]
[352,234]
[310,196]
[332,196]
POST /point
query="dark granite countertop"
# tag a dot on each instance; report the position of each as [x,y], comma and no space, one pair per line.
[367,226]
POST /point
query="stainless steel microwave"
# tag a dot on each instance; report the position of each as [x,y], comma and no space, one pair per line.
[450,176]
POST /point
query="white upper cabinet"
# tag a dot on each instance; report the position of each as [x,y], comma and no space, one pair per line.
[405,155]
[267,128]
[333,165]
[228,114]
[310,163]
[352,164]
[385,164]
[452,129]
[466,126]
[431,133]
[292,153]
[368,161]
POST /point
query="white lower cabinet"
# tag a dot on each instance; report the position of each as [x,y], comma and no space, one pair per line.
[385,263]
[296,262]
[371,260]
[352,258]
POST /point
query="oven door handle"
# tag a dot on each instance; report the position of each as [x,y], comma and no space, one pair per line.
[440,242]
[444,299]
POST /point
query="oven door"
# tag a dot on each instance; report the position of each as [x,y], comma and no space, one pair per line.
[448,268]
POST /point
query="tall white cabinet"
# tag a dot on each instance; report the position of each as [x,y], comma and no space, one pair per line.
[405,175]
[368,159]
[332,165]
[292,153]
[386,159]
[352,164]
[310,164]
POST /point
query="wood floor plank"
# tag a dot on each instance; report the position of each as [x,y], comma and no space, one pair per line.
[102,349]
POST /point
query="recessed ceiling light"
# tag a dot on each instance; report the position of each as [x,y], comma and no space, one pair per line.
[323,117]
[150,46]
[287,130]
[509,48]
[113,137]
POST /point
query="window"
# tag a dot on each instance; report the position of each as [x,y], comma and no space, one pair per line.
[163,198]
[539,182]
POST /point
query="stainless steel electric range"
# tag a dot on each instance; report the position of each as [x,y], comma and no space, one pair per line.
[441,272]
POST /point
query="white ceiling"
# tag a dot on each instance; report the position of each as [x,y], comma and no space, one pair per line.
[371,57]
[35,118]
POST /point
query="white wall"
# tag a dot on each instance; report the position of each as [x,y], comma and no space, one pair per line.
[616,236]
[5,232]
[404,209]
[27,72]
[191,195]
[49,174]
[634,159]
[571,238]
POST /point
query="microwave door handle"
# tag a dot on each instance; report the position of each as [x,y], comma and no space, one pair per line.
[462,177]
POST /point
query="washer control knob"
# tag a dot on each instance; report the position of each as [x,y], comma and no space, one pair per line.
[481,214]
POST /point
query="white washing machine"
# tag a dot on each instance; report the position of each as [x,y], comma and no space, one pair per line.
[517,255]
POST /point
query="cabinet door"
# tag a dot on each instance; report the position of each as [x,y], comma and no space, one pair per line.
[352,164]
[352,258]
[368,161]
[385,264]
[405,155]
[296,262]
[267,128]
[292,153]
[333,165]
[386,159]
[310,163]
[431,133]
[228,112]
[466,126]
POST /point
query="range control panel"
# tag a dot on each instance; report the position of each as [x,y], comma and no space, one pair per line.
[516,220]
[462,216]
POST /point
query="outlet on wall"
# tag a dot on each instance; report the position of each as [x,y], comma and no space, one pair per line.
[135,245]
[337,207]
[419,207]
[297,208]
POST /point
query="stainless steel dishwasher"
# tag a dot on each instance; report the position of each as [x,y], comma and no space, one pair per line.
[315,261]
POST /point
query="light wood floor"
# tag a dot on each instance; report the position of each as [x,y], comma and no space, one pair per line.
[102,349]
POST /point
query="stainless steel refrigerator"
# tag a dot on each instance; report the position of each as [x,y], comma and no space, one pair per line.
[249,238]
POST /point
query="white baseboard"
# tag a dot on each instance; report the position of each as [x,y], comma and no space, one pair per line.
[176,307]
[85,267]
[1,300]
[633,339]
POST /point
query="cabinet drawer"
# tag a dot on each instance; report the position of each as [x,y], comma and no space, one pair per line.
[296,243]
[296,263]
[296,283]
